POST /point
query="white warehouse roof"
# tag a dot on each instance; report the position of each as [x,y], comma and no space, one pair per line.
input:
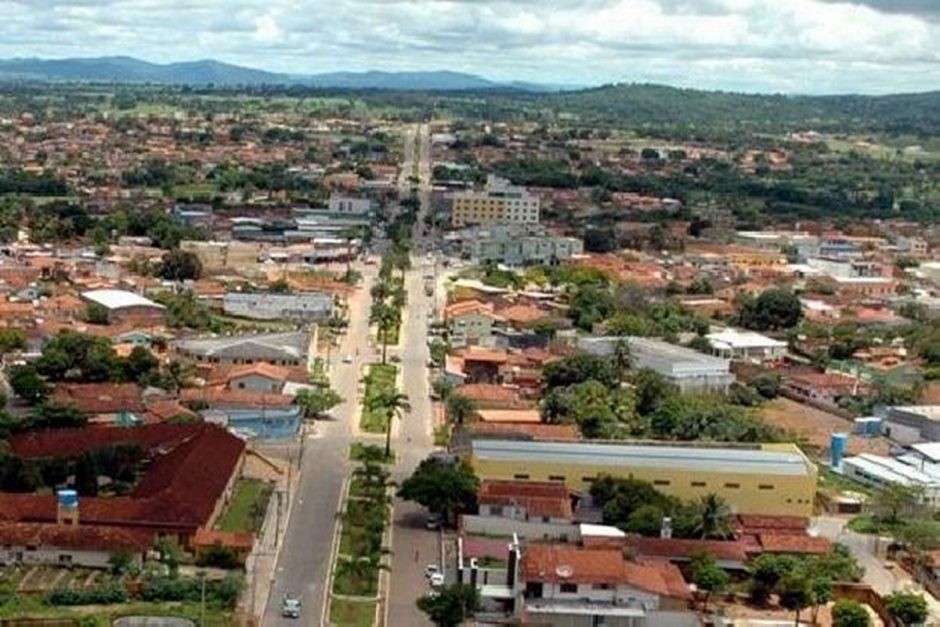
[118,299]
[890,470]
[733,338]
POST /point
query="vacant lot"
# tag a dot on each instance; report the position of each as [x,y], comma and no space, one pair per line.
[816,426]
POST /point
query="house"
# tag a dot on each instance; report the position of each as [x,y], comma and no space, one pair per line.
[469,322]
[563,585]
[188,472]
[126,307]
[544,501]
[54,544]
[238,542]
[770,479]
[825,387]
[279,349]
[100,398]
[259,377]
[746,346]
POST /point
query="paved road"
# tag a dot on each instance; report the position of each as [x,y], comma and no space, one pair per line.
[303,563]
[413,546]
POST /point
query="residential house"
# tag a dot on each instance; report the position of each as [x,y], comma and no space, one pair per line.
[126,307]
[469,322]
[279,349]
[825,387]
[746,346]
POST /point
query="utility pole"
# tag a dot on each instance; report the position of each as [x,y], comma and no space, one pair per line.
[202,609]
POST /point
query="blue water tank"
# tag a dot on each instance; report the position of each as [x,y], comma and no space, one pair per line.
[837,449]
[68,498]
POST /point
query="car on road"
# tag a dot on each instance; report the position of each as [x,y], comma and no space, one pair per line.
[290,607]
[348,358]
[436,580]
[433,522]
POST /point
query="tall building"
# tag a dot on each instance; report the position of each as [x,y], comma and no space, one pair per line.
[499,203]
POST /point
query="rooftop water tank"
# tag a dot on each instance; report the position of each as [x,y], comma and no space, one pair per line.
[837,446]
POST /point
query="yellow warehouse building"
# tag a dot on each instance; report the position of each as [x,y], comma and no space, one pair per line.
[768,479]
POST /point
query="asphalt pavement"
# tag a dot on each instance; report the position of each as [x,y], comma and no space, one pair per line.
[303,560]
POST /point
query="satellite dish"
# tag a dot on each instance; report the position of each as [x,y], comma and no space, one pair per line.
[564,571]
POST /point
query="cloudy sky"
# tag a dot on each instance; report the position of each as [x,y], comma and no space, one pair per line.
[805,46]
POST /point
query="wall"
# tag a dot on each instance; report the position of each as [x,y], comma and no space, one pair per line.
[51,556]
[491,526]
[256,383]
[791,495]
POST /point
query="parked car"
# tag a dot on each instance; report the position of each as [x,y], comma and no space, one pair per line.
[433,522]
[348,359]
[431,569]
[436,580]
[290,607]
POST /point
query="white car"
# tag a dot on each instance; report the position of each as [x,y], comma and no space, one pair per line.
[436,580]
[431,569]
[348,359]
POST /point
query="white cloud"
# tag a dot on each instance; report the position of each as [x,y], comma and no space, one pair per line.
[766,45]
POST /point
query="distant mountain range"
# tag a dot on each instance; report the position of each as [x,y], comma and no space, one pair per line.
[205,72]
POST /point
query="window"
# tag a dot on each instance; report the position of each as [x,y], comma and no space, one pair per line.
[699,484]
[569,588]
[588,479]
[732,486]
[764,486]
[496,510]
[65,559]
[600,586]
[598,621]
[521,476]
[556,477]
[661,482]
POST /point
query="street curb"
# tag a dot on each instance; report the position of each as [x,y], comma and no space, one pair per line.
[334,553]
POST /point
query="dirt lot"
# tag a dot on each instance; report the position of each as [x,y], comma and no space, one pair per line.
[816,426]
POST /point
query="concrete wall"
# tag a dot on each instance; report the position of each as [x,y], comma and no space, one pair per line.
[492,526]
[256,383]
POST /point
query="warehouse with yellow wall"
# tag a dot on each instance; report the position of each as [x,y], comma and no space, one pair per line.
[775,480]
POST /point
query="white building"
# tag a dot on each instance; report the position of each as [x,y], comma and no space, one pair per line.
[352,205]
[687,369]
[516,245]
[879,472]
[746,346]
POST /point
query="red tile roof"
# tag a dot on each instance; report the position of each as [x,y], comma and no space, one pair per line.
[217,395]
[523,430]
[191,467]
[539,498]
[557,563]
[489,392]
[682,549]
[74,537]
[785,543]
[756,523]
[100,398]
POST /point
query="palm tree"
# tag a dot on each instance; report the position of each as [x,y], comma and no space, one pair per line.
[392,403]
[711,518]
[622,355]
[460,408]
[385,317]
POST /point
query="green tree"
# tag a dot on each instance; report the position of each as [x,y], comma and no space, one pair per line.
[795,594]
[849,613]
[56,416]
[652,389]
[120,562]
[578,369]
[894,501]
[317,400]
[392,403]
[28,384]
[180,265]
[907,608]
[460,408]
[12,339]
[708,576]
[140,365]
[774,309]
[444,486]
[710,518]
[767,570]
[96,314]
[177,375]
[452,605]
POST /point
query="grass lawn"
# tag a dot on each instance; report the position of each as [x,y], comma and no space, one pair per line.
[363,584]
[381,378]
[871,525]
[245,512]
[359,489]
[360,452]
[835,481]
[344,613]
